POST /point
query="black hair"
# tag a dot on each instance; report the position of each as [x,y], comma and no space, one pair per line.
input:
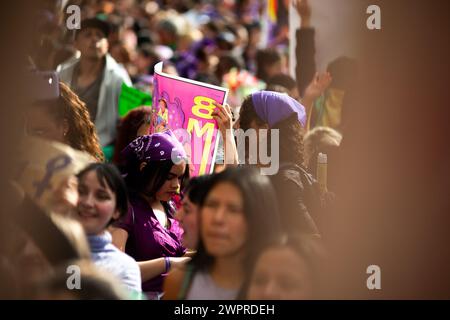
[290,140]
[110,174]
[151,178]
[260,211]
[226,63]
[208,78]
[214,26]
[344,71]
[197,188]
[225,40]
[256,25]
[168,26]
[277,88]
[148,51]
[283,80]
[95,23]
[264,58]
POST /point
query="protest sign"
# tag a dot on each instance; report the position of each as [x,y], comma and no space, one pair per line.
[131,98]
[185,106]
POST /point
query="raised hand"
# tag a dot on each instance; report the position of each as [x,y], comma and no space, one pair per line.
[304,11]
[224,117]
[317,86]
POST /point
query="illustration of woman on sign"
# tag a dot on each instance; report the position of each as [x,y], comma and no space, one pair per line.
[162,116]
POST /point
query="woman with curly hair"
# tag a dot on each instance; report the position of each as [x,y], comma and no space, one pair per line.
[65,120]
[294,186]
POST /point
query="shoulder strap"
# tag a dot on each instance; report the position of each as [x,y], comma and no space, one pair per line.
[187,279]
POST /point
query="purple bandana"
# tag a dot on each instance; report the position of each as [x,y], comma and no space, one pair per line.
[155,147]
[273,107]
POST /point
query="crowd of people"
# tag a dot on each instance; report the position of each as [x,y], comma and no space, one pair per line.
[140,225]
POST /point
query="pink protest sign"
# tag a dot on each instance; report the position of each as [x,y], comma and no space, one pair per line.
[185,106]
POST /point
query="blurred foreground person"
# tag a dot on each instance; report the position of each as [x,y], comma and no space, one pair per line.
[94,284]
[64,119]
[238,216]
[189,213]
[103,199]
[286,270]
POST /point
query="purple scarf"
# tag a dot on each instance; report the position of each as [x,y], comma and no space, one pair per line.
[156,147]
[273,107]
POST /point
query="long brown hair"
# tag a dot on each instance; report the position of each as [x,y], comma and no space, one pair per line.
[81,134]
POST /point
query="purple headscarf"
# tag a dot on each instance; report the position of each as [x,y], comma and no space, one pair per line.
[273,107]
[155,147]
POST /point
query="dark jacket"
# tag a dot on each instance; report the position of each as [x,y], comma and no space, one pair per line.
[297,195]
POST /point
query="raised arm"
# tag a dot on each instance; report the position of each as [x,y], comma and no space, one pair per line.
[315,89]
[305,47]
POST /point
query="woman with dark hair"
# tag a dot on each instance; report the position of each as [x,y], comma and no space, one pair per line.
[287,269]
[136,123]
[238,217]
[295,187]
[286,82]
[65,120]
[155,169]
[102,200]
[268,64]
[188,214]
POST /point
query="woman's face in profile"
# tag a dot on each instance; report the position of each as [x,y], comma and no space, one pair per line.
[188,216]
[39,123]
[144,128]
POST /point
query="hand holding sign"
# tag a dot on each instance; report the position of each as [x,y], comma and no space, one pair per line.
[224,117]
